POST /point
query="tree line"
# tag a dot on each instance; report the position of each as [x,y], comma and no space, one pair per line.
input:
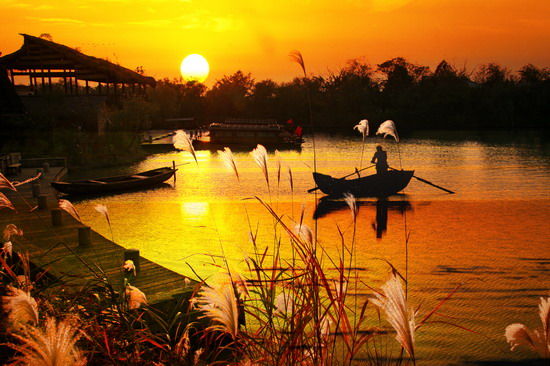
[492,97]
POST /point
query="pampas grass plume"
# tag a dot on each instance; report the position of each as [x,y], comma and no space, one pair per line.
[21,308]
[11,230]
[538,340]
[129,266]
[398,313]
[362,127]
[182,141]
[260,157]
[68,207]
[229,160]
[304,232]
[135,297]
[388,128]
[352,204]
[220,305]
[53,346]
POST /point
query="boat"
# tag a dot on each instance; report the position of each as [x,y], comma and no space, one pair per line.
[247,133]
[120,183]
[375,185]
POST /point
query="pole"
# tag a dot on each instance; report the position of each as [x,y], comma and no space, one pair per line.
[429,183]
[174,167]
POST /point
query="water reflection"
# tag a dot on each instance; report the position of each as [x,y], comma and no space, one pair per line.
[381,207]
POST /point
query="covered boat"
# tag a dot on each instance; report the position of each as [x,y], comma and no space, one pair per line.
[251,132]
[121,183]
[376,185]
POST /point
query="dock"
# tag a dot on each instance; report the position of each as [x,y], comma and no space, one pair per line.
[71,252]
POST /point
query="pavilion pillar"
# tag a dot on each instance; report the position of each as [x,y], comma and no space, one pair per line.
[65,80]
[87,88]
[99,88]
[50,79]
[12,77]
[76,85]
[43,81]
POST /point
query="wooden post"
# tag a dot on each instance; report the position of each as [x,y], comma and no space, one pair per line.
[174,167]
[56,217]
[87,88]
[84,237]
[36,190]
[43,202]
[133,255]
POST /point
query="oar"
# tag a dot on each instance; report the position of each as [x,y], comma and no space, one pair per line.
[349,175]
[429,183]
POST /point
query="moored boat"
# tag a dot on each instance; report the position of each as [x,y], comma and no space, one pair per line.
[120,183]
[251,132]
[375,185]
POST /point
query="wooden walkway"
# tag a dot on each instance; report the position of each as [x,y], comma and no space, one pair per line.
[57,249]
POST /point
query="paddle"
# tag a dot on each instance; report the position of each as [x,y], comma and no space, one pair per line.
[429,183]
[349,175]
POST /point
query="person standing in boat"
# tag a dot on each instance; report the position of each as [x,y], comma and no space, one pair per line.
[380,158]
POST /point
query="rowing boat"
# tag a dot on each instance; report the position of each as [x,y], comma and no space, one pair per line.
[375,185]
[120,183]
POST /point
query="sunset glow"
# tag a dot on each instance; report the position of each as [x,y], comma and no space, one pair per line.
[256,36]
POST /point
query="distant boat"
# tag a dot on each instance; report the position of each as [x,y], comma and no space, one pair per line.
[375,185]
[248,133]
[120,183]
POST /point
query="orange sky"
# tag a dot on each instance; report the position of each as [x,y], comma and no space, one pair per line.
[257,35]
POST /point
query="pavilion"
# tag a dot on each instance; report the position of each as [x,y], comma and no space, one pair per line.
[42,60]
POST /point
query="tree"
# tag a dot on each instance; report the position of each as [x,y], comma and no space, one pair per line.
[228,96]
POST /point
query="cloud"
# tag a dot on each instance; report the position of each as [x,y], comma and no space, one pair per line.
[57,20]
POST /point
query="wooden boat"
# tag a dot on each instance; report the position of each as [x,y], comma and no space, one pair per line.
[376,185]
[247,133]
[121,183]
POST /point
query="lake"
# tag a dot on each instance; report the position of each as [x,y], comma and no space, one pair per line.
[491,237]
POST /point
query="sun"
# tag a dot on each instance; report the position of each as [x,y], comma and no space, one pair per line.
[194,68]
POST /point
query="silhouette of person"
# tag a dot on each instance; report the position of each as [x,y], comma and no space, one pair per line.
[380,158]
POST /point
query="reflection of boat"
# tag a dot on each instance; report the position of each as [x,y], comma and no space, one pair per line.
[121,183]
[376,185]
[326,205]
[249,133]
[380,224]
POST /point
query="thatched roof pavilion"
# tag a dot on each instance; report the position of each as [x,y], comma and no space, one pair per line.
[42,60]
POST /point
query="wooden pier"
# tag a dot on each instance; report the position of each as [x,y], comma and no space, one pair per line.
[73,253]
